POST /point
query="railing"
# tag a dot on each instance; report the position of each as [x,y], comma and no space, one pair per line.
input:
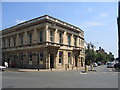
[48,18]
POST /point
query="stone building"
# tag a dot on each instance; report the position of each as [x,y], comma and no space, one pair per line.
[43,42]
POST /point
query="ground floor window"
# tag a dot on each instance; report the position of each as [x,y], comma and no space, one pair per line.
[41,56]
[69,58]
[21,56]
[30,58]
[60,57]
[82,59]
[14,58]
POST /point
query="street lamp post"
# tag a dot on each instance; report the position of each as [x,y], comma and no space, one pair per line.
[38,62]
[118,21]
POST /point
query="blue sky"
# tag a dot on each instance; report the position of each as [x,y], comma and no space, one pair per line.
[96,19]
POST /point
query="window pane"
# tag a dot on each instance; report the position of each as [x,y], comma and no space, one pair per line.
[69,57]
[60,38]
[30,38]
[69,40]
[60,57]
[51,36]
[41,56]
[41,36]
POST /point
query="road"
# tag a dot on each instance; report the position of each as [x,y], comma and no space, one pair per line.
[102,78]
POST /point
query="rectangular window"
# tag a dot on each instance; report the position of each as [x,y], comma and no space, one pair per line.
[21,56]
[82,42]
[69,58]
[69,39]
[75,41]
[30,58]
[41,36]
[60,57]
[3,43]
[30,38]
[14,41]
[79,41]
[14,58]
[21,40]
[60,38]
[8,42]
[51,36]
[41,56]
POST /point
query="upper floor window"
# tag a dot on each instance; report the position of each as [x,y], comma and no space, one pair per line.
[75,41]
[30,38]
[79,41]
[51,36]
[14,41]
[41,36]
[8,42]
[3,43]
[82,42]
[69,39]
[21,39]
[60,38]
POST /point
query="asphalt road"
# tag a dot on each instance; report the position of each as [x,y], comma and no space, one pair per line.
[102,78]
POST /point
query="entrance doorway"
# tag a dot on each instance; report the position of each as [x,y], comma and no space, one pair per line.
[76,59]
[51,61]
[81,61]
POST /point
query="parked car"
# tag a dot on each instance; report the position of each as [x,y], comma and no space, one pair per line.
[95,64]
[99,63]
[117,66]
[110,65]
[2,68]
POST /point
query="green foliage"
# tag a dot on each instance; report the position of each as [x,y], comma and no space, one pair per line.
[102,57]
[89,56]
[92,56]
[110,56]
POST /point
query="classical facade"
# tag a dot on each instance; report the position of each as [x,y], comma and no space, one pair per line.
[44,42]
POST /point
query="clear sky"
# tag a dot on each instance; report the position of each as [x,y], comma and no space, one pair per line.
[98,20]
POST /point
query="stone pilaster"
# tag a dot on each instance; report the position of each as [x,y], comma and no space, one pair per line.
[11,41]
[46,34]
[56,36]
[72,40]
[17,40]
[25,40]
[35,36]
[65,38]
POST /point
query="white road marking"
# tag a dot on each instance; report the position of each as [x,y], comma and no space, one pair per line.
[82,73]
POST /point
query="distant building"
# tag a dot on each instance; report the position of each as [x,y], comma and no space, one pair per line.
[44,42]
[90,46]
[100,50]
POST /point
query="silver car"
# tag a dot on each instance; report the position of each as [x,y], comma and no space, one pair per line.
[2,68]
[110,65]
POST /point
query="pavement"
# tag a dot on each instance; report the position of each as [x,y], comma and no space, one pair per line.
[36,70]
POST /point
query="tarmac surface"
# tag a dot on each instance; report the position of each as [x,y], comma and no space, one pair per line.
[101,78]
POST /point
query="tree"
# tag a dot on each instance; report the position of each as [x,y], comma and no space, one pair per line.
[89,56]
[110,56]
[101,57]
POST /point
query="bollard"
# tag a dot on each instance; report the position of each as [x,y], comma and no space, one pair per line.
[51,68]
[92,67]
[86,68]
